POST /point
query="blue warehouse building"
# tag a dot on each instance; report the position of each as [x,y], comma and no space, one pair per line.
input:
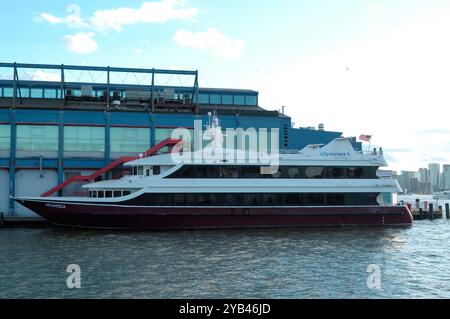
[59,121]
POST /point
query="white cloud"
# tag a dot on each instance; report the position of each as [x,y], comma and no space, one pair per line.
[138,51]
[73,20]
[81,42]
[211,40]
[149,12]
[49,18]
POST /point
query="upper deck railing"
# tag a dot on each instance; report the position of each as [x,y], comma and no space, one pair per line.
[113,87]
[70,83]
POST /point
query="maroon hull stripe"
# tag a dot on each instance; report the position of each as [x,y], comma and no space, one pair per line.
[174,218]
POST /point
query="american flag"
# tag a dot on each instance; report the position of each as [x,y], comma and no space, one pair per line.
[366,138]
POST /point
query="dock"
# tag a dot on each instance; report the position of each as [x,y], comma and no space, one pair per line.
[426,215]
[425,210]
[26,222]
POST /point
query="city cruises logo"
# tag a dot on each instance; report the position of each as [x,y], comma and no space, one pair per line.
[335,154]
[214,146]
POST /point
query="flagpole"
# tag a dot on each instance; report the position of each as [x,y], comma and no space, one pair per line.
[370,142]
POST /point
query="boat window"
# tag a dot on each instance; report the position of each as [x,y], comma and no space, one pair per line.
[147,172]
[190,199]
[251,171]
[94,194]
[101,194]
[126,193]
[259,199]
[108,194]
[179,199]
[285,172]
[314,172]
[117,194]
[335,199]
[156,170]
[140,170]
[293,172]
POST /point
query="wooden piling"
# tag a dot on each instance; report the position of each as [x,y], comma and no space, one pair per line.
[447,210]
[431,211]
[421,213]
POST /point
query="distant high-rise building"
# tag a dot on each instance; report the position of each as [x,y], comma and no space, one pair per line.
[445,177]
[434,171]
[424,175]
[413,182]
[408,181]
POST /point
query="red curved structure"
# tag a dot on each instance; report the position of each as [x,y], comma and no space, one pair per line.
[168,142]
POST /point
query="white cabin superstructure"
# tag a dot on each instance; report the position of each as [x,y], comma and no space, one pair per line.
[331,169]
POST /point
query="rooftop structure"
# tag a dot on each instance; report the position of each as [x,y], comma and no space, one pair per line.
[61,121]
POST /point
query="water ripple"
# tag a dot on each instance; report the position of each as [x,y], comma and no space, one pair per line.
[297,263]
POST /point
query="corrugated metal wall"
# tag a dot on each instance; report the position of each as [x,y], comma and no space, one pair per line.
[4,191]
[30,182]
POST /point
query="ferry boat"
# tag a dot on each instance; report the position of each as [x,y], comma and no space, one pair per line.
[331,185]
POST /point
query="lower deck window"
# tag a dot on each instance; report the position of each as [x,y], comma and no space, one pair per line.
[256,199]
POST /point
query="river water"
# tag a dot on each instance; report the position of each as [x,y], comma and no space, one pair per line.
[411,262]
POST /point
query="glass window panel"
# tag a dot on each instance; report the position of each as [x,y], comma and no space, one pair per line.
[84,139]
[37,138]
[162,133]
[36,93]
[8,92]
[215,99]
[239,100]
[130,132]
[50,94]
[5,137]
[203,99]
[37,131]
[129,140]
[25,92]
[227,99]
[251,100]
[70,132]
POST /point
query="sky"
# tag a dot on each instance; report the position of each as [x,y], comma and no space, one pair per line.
[377,67]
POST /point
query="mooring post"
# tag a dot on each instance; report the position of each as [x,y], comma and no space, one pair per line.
[431,211]
[421,213]
[2,219]
[447,210]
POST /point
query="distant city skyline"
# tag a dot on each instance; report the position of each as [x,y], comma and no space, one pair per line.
[360,67]
[425,180]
